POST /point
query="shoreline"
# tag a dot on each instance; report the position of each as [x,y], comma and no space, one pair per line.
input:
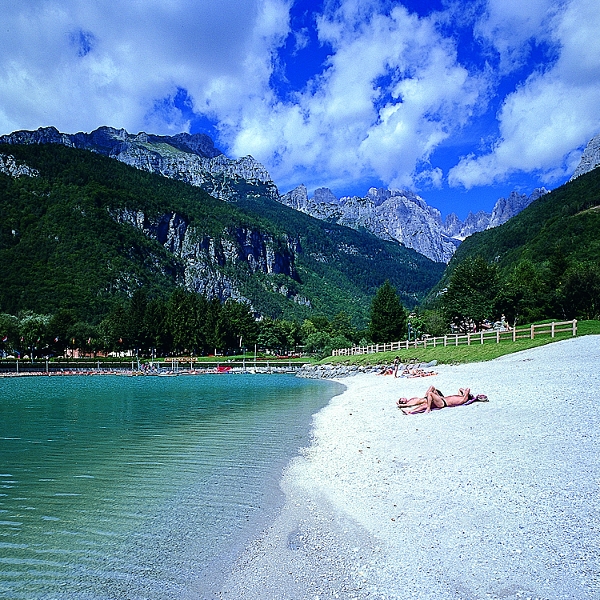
[136,373]
[494,500]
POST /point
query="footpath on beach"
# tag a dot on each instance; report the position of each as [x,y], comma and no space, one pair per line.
[492,500]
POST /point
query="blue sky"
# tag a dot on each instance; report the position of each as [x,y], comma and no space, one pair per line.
[460,101]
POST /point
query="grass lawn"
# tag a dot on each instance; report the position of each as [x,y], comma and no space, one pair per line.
[476,352]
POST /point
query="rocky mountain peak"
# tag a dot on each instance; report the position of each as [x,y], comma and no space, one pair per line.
[198,143]
[590,158]
[325,195]
[505,208]
[452,225]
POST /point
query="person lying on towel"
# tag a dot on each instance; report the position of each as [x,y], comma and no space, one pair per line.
[434,400]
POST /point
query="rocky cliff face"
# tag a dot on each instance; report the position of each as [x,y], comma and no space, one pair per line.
[10,167]
[590,158]
[405,217]
[207,260]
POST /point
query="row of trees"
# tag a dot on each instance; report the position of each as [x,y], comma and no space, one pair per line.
[477,291]
[189,323]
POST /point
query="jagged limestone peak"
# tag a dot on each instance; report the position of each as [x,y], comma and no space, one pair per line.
[590,159]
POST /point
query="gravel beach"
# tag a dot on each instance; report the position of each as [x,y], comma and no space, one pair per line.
[492,500]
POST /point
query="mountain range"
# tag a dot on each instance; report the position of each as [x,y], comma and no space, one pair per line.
[177,212]
[82,231]
[394,215]
[405,217]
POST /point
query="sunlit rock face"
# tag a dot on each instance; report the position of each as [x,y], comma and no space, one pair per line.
[9,166]
[389,214]
[590,158]
[405,217]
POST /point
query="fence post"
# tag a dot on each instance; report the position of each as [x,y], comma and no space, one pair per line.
[482,336]
[553,328]
[497,336]
[468,339]
[574,327]
[445,340]
[514,334]
[532,331]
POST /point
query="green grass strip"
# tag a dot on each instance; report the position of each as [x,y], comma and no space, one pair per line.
[450,355]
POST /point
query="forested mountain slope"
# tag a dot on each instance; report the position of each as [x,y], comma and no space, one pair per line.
[83,231]
[543,263]
[562,226]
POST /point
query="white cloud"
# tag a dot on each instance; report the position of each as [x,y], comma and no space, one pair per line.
[552,113]
[391,92]
[509,26]
[77,64]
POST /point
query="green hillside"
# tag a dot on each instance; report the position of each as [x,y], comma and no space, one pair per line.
[62,248]
[560,226]
[542,263]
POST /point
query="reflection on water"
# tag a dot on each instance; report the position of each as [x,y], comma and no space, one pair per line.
[118,487]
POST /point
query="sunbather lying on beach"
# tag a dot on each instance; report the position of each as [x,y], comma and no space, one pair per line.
[434,399]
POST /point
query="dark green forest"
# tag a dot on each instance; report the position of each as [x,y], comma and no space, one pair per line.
[71,271]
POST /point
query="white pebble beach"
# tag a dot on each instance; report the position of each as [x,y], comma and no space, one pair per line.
[496,500]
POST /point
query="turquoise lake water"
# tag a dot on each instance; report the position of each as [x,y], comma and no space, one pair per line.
[141,487]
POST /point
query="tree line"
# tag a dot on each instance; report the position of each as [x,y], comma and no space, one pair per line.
[184,323]
[557,289]
[187,323]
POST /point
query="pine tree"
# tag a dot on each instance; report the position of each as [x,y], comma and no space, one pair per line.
[388,316]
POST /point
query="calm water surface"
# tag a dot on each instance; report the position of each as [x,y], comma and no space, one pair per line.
[141,487]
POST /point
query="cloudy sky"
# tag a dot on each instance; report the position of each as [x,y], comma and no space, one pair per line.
[460,100]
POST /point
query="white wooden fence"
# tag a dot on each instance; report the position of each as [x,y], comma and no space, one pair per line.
[490,335]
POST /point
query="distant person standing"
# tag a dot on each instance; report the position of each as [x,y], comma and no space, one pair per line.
[396,365]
